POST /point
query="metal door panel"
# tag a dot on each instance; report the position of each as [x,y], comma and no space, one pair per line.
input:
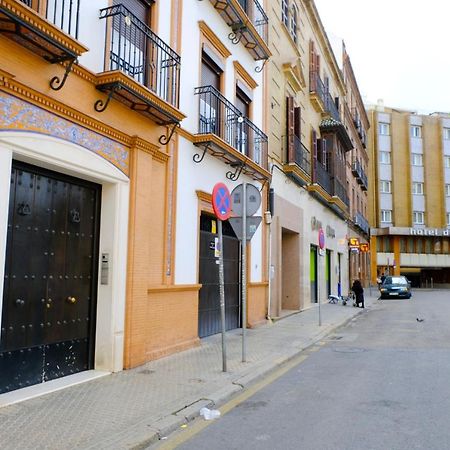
[209,321]
[20,368]
[52,248]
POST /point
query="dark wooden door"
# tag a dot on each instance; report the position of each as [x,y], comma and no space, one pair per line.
[209,302]
[48,312]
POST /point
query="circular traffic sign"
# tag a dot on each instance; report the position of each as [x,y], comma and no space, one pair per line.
[321,239]
[221,201]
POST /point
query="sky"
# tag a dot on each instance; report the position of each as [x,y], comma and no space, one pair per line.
[399,49]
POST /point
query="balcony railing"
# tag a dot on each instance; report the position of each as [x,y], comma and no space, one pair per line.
[331,108]
[257,16]
[316,86]
[361,222]
[322,177]
[137,51]
[360,175]
[339,191]
[220,117]
[301,156]
[62,13]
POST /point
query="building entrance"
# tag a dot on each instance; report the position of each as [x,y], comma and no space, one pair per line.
[50,288]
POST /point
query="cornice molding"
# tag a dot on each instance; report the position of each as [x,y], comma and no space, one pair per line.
[244,75]
[148,147]
[213,39]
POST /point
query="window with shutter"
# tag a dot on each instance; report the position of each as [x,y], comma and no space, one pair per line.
[139,8]
[290,128]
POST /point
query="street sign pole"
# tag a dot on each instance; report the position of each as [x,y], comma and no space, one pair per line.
[221,203]
[318,286]
[222,297]
[244,268]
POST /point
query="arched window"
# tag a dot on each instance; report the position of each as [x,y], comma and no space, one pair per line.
[285,12]
[293,24]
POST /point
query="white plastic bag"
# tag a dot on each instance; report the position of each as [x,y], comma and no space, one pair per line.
[210,414]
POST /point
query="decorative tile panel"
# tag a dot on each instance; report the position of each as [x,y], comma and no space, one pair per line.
[18,115]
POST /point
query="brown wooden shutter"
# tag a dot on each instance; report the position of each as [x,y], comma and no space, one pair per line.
[298,122]
[314,145]
[290,128]
[317,64]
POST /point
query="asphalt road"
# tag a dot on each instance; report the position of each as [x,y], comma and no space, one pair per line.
[382,382]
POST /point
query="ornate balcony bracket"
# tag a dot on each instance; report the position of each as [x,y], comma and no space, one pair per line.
[163,139]
[56,83]
[260,68]
[198,158]
[238,31]
[101,105]
[234,176]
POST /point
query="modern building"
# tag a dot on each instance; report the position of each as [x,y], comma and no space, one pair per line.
[410,212]
[311,152]
[117,119]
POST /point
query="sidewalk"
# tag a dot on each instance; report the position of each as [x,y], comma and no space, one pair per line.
[136,407]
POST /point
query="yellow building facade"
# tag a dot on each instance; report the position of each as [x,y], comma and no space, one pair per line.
[409,195]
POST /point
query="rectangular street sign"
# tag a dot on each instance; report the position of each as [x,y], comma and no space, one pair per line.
[252,225]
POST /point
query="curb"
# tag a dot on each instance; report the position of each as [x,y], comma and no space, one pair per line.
[168,424]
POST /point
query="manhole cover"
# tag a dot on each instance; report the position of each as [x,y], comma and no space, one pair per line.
[349,350]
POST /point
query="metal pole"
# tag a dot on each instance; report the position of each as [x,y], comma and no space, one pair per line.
[318,285]
[222,298]
[244,268]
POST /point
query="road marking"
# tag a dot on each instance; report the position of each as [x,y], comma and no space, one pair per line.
[200,425]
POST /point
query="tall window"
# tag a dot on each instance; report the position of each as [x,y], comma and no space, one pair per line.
[417,188]
[417,159]
[418,218]
[385,157]
[448,219]
[447,134]
[385,187]
[416,131]
[447,190]
[384,129]
[293,25]
[386,216]
[285,12]
[447,162]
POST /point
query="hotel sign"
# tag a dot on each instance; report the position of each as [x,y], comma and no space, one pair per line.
[409,231]
[429,232]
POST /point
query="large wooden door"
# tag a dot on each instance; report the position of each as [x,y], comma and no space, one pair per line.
[48,312]
[209,301]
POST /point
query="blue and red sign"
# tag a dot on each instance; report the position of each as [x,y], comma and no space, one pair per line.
[321,239]
[221,201]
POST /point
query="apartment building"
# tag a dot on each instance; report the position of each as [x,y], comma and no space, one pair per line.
[309,146]
[409,195]
[117,119]
[357,125]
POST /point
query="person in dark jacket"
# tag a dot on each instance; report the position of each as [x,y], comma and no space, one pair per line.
[359,293]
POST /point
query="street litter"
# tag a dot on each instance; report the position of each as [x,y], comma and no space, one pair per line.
[210,414]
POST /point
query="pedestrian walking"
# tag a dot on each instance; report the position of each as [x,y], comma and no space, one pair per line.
[359,293]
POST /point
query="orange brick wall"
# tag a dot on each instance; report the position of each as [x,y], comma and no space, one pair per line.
[256,304]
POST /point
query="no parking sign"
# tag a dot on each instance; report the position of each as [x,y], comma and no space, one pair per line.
[221,201]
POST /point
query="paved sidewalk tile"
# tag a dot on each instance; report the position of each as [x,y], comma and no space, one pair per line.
[139,405]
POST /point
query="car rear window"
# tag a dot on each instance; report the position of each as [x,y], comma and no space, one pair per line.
[396,280]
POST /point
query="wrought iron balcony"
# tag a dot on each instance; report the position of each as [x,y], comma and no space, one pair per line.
[249,24]
[318,91]
[340,192]
[322,177]
[331,108]
[136,51]
[48,28]
[298,160]
[240,141]
[361,222]
[360,175]
[301,156]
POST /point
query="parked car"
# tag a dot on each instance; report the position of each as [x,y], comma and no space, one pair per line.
[395,287]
